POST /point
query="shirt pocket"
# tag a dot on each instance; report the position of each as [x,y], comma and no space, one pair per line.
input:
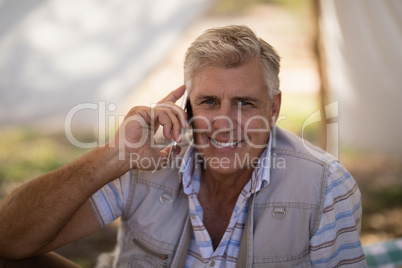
[148,257]
[300,261]
[282,232]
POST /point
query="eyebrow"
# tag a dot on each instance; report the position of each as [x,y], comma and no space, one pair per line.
[246,98]
[206,97]
[237,98]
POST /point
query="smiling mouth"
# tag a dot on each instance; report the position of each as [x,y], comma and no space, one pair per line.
[225,144]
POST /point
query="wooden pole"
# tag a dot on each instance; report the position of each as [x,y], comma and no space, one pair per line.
[322,71]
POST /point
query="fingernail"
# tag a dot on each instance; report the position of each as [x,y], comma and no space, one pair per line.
[179,139]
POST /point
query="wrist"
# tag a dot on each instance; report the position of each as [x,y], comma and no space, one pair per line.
[112,162]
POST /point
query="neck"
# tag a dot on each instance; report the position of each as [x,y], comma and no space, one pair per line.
[223,187]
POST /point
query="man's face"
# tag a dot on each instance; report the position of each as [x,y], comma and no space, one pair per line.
[232,115]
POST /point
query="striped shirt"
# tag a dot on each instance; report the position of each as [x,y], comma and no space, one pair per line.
[335,243]
[201,252]
[337,240]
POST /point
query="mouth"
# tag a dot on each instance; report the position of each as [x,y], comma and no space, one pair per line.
[225,144]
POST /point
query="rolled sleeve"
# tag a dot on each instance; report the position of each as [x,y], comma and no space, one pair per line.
[108,202]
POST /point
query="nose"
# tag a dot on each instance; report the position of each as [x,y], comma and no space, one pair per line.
[225,117]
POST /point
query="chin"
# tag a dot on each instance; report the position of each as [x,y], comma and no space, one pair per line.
[227,158]
[228,162]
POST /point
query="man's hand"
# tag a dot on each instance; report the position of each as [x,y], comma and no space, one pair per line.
[136,133]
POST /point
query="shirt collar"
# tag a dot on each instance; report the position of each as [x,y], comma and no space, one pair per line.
[259,179]
[261,174]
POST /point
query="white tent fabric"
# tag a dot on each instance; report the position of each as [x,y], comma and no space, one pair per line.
[363,45]
[56,54]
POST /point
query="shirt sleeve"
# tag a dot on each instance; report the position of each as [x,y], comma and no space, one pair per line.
[337,240]
[108,202]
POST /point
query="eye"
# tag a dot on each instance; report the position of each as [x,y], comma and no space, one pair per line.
[209,101]
[243,103]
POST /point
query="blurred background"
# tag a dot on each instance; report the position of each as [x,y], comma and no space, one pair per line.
[70,70]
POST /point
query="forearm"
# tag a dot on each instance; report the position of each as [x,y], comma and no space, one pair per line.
[32,215]
[49,260]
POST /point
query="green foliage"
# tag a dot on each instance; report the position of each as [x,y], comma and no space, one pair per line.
[25,153]
[382,198]
[234,7]
[295,110]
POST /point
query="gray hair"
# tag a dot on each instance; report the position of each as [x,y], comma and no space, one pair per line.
[230,47]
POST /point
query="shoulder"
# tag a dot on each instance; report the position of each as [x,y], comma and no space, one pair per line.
[287,143]
[302,170]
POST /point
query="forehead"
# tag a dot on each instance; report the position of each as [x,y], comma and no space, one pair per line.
[245,80]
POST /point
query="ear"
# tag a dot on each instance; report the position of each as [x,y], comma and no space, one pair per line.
[275,104]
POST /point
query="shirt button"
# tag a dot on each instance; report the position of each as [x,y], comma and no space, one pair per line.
[212,264]
[164,257]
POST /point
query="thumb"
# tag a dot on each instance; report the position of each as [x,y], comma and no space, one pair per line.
[166,150]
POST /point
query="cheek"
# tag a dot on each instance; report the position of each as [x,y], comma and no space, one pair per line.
[256,126]
[201,123]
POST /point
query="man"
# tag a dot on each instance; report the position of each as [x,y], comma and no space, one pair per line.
[244,193]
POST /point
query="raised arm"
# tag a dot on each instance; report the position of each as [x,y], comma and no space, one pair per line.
[53,210]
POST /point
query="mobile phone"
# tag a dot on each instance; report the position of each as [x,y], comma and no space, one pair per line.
[185,105]
[188,110]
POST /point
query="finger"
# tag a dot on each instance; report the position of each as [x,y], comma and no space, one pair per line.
[179,112]
[164,158]
[174,95]
[171,125]
[176,126]
[168,120]
[165,152]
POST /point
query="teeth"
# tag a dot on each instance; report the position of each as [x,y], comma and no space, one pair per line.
[225,144]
